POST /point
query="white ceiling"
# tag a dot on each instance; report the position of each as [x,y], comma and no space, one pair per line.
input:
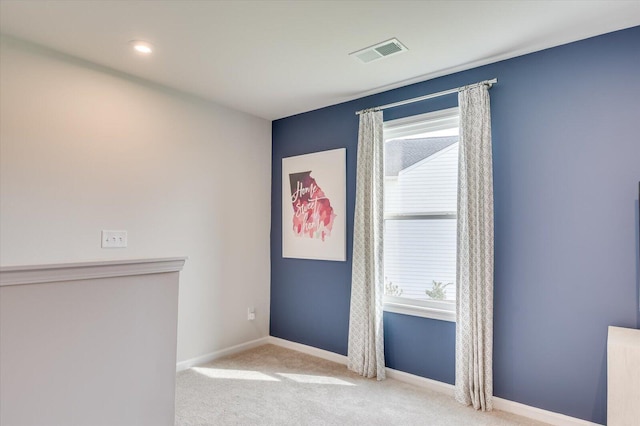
[278,58]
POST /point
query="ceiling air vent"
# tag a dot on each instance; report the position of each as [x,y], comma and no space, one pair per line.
[380,50]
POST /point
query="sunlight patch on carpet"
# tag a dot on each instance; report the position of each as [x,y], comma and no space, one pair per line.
[317,380]
[219,373]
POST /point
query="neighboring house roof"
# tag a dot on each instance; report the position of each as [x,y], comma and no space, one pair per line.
[402,153]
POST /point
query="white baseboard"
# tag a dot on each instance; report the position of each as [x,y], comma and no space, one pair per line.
[420,381]
[310,350]
[505,405]
[184,365]
[539,414]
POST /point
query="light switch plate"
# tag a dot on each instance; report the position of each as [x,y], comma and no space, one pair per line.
[114,239]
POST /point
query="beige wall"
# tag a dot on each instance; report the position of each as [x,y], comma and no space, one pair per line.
[83,149]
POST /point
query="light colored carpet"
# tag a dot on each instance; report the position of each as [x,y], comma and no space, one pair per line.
[270,385]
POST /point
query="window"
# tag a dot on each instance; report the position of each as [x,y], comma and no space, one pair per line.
[421,184]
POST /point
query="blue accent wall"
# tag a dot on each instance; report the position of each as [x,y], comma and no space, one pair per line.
[566,142]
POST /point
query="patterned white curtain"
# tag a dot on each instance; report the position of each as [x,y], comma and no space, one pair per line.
[474,305]
[366,342]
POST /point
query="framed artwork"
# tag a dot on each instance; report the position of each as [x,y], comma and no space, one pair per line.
[314,206]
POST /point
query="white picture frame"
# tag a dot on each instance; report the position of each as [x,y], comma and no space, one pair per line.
[314,206]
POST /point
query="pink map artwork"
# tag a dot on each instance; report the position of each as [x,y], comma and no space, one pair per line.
[313,215]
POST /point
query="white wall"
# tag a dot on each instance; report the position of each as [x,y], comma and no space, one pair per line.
[83,149]
[68,360]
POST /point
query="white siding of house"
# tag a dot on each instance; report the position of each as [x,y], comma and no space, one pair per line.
[428,186]
[418,252]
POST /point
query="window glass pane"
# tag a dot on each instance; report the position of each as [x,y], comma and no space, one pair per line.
[419,253]
[421,184]
[421,176]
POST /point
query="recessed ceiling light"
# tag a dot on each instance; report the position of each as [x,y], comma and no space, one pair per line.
[142,47]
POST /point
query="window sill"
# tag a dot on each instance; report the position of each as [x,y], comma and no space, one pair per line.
[420,311]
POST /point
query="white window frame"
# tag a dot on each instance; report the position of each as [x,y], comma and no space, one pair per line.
[393,129]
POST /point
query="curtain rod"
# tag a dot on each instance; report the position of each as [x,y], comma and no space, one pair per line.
[425,97]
